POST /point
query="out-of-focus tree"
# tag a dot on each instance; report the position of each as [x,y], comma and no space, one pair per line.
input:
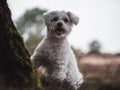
[94,47]
[30,26]
[16,69]
[30,20]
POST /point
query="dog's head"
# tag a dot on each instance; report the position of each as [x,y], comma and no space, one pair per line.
[59,23]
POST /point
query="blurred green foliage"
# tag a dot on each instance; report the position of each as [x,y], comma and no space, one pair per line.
[94,47]
[29,18]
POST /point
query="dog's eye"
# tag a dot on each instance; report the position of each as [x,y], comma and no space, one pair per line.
[65,19]
[55,18]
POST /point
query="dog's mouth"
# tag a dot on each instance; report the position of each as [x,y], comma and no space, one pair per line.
[59,31]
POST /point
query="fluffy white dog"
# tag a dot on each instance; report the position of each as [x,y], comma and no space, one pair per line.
[54,52]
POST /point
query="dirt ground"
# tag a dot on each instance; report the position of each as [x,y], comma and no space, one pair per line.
[101,69]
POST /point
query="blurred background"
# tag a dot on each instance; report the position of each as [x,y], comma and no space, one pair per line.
[95,40]
[99,21]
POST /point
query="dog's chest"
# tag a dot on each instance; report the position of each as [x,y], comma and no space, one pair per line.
[53,51]
[56,52]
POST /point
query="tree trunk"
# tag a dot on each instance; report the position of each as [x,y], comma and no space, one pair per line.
[16,69]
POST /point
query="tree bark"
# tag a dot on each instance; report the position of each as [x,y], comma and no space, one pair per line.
[16,69]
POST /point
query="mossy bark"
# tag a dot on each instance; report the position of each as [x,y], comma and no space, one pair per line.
[16,69]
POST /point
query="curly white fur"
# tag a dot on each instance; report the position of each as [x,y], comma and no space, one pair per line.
[54,52]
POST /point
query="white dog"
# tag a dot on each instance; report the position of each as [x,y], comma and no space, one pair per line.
[54,52]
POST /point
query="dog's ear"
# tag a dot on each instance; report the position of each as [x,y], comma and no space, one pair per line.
[74,19]
[46,17]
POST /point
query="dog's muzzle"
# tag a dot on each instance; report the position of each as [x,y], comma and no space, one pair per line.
[59,30]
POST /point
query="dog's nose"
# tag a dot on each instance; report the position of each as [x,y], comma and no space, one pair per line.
[59,24]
